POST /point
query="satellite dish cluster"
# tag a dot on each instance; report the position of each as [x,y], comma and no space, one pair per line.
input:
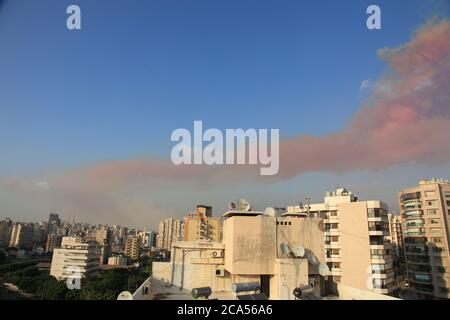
[241,205]
[274,212]
[301,252]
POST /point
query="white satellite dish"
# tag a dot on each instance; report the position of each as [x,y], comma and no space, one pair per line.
[232,206]
[244,205]
[324,270]
[270,212]
[312,259]
[299,252]
[125,295]
[285,249]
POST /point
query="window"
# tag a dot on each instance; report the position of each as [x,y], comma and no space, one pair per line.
[431,203]
[430,194]
[447,194]
[432,211]
[448,203]
[436,240]
[433,221]
[436,231]
[440,269]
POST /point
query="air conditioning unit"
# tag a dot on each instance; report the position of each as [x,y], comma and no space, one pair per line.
[220,272]
[217,254]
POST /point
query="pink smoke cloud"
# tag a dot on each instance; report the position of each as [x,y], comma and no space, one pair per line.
[405,120]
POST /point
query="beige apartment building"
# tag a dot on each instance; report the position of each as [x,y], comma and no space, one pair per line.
[132,247]
[170,231]
[425,212]
[200,225]
[74,259]
[396,235]
[357,250]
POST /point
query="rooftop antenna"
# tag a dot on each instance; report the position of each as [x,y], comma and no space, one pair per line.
[308,207]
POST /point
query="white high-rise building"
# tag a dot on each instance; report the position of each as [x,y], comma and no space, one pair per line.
[75,258]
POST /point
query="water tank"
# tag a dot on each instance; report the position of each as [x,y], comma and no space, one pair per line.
[245,287]
[203,292]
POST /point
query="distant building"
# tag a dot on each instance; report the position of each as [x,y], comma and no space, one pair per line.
[53,223]
[5,232]
[153,239]
[22,236]
[132,247]
[356,237]
[425,211]
[170,231]
[396,235]
[118,261]
[104,238]
[75,258]
[200,225]
[53,241]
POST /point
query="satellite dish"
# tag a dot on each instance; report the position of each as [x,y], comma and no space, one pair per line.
[244,205]
[312,259]
[125,295]
[324,270]
[285,249]
[270,212]
[232,206]
[299,252]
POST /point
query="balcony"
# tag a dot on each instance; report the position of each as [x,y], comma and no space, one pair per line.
[381,259]
[332,245]
[336,271]
[333,258]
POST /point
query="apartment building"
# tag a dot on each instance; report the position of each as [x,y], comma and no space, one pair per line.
[5,232]
[22,236]
[357,249]
[132,246]
[201,226]
[396,235]
[104,238]
[53,241]
[75,258]
[425,211]
[170,231]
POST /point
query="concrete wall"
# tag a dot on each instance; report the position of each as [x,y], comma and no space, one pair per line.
[290,273]
[250,245]
[350,293]
[355,245]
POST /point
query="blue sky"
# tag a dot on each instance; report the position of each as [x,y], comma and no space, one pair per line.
[140,69]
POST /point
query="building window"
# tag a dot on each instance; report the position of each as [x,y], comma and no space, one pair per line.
[440,269]
[432,211]
[433,221]
[436,231]
[431,203]
[447,194]
[436,240]
[430,194]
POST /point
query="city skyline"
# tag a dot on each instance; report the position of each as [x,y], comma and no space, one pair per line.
[98,147]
